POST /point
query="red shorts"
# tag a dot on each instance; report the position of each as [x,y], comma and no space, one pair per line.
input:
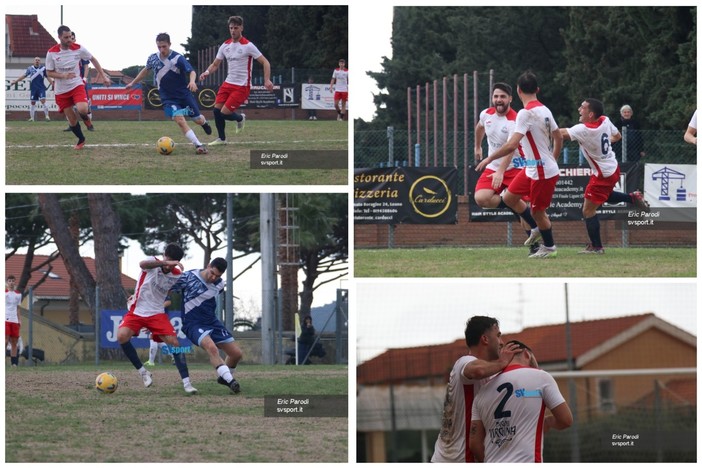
[71,98]
[599,189]
[341,96]
[485,181]
[12,329]
[539,191]
[233,96]
[159,325]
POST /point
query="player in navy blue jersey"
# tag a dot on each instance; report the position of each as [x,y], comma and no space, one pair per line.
[200,290]
[175,79]
[37,88]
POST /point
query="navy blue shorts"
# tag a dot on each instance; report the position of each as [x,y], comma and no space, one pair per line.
[186,106]
[216,330]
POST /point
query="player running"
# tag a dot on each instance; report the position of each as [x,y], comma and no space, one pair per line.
[63,65]
[340,78]
[146,311]
[595,133]
[497,123]
[200,289]
[175,79]
[84,74]
[508,420]
[538,181]
[239,53]
[37,88]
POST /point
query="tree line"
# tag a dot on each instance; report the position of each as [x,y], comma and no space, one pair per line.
[641,56]
[65,222]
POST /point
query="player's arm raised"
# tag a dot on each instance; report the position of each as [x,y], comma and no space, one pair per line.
[155,263]
[480,369]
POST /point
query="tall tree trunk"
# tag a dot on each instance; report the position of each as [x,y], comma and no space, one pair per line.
[307,296]
[55,219]
[106,234]
[74,295]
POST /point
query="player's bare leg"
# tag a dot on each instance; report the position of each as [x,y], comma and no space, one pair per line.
[72,117]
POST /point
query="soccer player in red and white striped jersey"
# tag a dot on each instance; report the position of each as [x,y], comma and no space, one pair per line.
[541,143]
[469,373]
[239,53]
[509,414]
[595,133]
[63,64]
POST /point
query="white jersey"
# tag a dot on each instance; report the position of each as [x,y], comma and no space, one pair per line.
[693,121]
[341,75]
[536,123]
[452,443]
[67,61]
[239,57]
[511,407]
[12,301]
[498,129]
[151,290]
[595,142]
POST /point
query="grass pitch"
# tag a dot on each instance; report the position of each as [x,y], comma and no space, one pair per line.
[54,414]
[124,153]
[513,262]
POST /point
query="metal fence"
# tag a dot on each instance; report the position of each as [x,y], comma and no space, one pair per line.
[46,339]
[397,147]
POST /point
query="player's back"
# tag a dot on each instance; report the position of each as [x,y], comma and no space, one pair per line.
[595,141]
[536,123]
[512,407]
[452,443]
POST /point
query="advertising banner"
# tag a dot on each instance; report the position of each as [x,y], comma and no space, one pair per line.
[115,98]
[425,195]
[318,96]
[109,322]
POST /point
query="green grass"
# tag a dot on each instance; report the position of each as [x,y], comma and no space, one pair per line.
[54,414]
[513,262]
[124,153]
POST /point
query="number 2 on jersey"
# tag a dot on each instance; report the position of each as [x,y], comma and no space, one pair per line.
[500,410]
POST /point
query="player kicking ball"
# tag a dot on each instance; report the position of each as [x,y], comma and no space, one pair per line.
[176,91]
[200,290]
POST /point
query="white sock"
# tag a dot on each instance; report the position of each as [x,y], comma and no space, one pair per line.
[153,347]
[193,139]
[32,109]
[223,371]
[186,381]
[142,370]
[46,110]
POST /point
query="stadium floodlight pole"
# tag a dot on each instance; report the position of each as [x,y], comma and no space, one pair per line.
[572,390]
[268,268]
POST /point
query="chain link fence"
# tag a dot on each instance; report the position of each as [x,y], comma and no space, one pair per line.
[395,147]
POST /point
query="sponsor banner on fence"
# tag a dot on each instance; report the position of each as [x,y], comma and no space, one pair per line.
[318,96]
[17,95]
[109,323]
[115,98]
[425,195]
[566,204]
[285,95]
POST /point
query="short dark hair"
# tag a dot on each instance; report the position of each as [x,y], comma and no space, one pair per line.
[595,106]
[220,264]
[476,327]
[163,37]
[520,345]
[11,277]
[238,20]
[62,29]
[174,252]
[503,86]
[527,83]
